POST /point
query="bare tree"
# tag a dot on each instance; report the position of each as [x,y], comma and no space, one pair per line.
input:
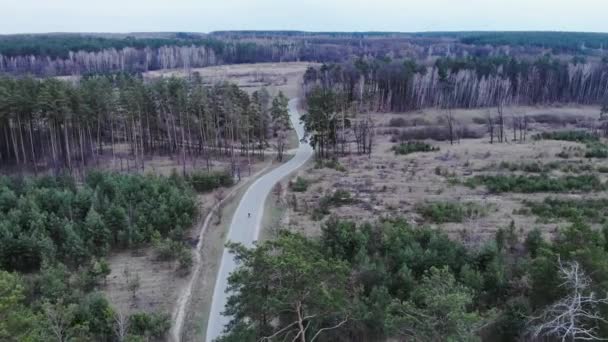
[59,318]
[449,120]
[278,192]
[219,198]
[576,316]
[500,103]
[121,325]
[281,143]
[603,122]
[133,284]
[491,126]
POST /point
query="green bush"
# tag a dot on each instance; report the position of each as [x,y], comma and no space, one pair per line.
[597,151]
[442,212]
[338,198]
[590,210]
[595,148]
[330,164]
[209,181]
[536,167]
[412,147]
[575,136]
[149,324]
[300,185]
[530,184]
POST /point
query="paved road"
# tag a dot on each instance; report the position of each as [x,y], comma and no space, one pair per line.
[246,229]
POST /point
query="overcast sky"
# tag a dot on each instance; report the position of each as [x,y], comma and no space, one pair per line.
[24,16]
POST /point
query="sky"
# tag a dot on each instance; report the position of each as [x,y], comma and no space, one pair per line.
[35,16]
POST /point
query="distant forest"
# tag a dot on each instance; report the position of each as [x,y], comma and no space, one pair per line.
[402,84]
[68,54]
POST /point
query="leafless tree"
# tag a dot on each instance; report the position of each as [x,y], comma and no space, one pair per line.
[491,126]
[219,197]
[574,317]
[449,119]
[133,284]
[59,318]
[500,103]
[603,123]
[278,192]
[121,325]
[280,145]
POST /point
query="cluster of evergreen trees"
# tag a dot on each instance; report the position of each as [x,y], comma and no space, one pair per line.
[54,235]
[390,280]
[58,124]
[50,219]
[401,85]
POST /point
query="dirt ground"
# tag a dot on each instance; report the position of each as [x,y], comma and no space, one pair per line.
[390,185]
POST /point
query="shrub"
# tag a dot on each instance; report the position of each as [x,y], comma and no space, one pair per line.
[480,120]
[437,133]
[330,163]
[575,136]
[555,119]
[149,324]
[300,185]
[597,151]
[529,184]
[209,181]
[338,198]
[398,122]
[536,167]
[442,212]
[403,122]
[168,249]
[592,210]
[413,146]
[595,148]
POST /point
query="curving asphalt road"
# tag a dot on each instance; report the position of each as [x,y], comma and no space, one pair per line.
[246,229]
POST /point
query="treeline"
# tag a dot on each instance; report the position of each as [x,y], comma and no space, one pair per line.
[558,42]
[60,45]
[68,54]
[75,125]
[51,55]
[388,280]
[54,235]
[80,55]
[383,84]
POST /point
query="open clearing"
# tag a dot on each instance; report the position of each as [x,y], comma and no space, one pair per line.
[390,185]
[275,77]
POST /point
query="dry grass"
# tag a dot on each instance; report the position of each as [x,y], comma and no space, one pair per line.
[389,185]
[286,77]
